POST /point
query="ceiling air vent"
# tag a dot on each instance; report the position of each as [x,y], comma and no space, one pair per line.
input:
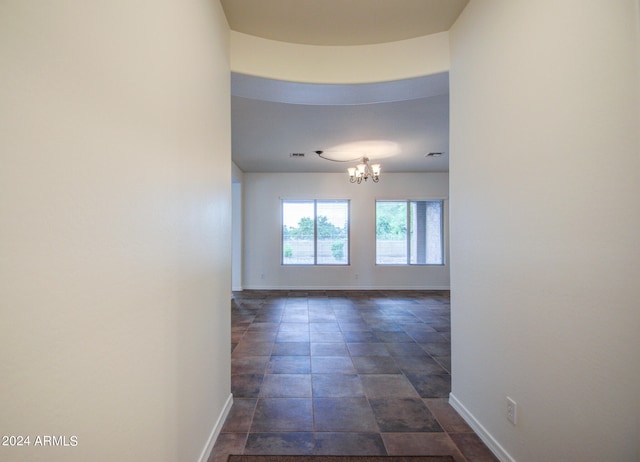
[297,155]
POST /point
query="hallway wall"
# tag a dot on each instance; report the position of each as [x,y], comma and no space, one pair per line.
[115,235]
[544,224]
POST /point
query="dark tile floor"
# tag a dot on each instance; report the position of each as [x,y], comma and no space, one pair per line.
[343,372]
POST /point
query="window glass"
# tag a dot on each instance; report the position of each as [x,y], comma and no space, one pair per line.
[409,233]
[315,232]
[391,232]
[333,232]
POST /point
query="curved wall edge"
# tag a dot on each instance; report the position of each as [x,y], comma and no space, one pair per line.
[383,62]
[246,86]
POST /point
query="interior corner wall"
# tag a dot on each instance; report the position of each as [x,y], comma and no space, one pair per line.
[115,155]
[263,193]
[544,226]
[237,176]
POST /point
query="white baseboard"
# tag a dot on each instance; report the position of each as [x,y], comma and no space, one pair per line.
[211,441]
[261,287]
[482,432]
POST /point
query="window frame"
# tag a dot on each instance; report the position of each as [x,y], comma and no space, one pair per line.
[315,232]
[408,223]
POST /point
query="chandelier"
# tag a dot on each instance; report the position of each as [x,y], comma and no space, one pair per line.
[364,171]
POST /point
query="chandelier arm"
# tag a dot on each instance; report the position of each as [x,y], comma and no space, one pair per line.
[319,153]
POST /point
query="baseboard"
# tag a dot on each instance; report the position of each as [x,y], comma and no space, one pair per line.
[211,441]
[482,432]
[379,287]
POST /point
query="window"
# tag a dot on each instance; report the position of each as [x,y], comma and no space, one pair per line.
[315,232]
[409,233]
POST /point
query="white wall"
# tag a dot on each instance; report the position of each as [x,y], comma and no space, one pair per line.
[545,209]
[236,235]
[263,193]
[115,235]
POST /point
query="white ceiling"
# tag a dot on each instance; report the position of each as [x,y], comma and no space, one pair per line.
[272,119]
[341,22]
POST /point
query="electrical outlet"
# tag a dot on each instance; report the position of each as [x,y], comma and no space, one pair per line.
[512,410]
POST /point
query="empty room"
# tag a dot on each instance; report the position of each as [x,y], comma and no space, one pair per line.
[327,228]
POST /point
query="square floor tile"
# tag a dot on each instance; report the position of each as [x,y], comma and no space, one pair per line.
[227,443]
[472,447]
[431,386]
[289,365]
[349,444]
[283,414]
[246,348]
[263,326]
[384,325]
[298,317]
[428,337]
[404,415]
[346,326]
[326,337]
[336,385]
[332,365]
[387,385]
[240,416]
[419,365]
[286,386]
[249,364]
[246,385]
[411,349]
[323,314]
[261,336]
[343,415]
[361,337]
[329,349]
[394,337]
[294,327]
[445,362]
[324,327]
[368,349]
[295,443]
[447,416]
[291,349]
[292,336]
[375,365]
[437,349]
[434,444]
